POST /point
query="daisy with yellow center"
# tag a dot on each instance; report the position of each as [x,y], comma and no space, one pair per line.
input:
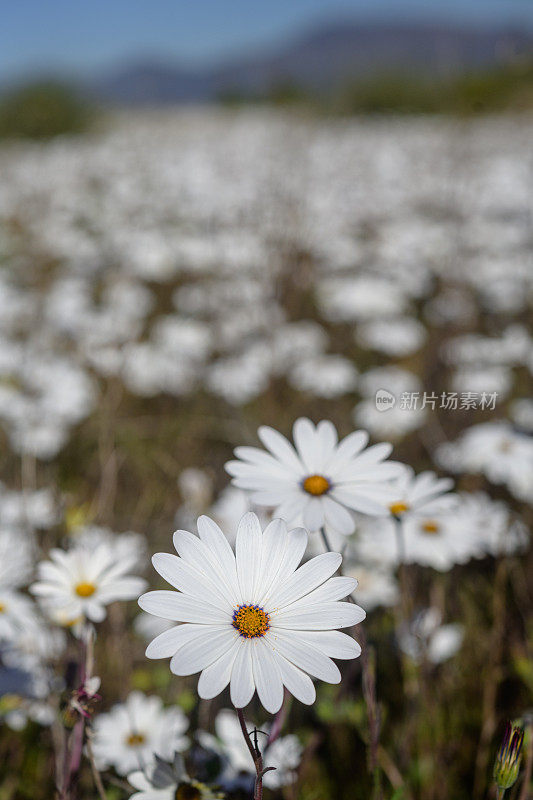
[399,508]
[85,589]
[319,480]
[430,527]
[252,619]
[132,732]
[78,584]
[316,485]
[135,740]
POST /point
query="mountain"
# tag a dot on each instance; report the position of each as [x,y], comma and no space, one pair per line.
[321,59]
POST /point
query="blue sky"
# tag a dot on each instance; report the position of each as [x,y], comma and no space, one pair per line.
[82,37]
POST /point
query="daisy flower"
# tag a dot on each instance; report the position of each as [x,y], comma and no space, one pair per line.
[169,781]
[252,619]
[81,582]
[320,480]
[129,735]
[411,493]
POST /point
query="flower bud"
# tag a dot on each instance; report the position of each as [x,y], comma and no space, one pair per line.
[507,764]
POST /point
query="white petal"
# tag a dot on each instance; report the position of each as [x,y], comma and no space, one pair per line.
[358,502]
[180,608]
[327,435]
[333,589]
[188,579]
[216,676]
[267,677]
[332,643]
[248,555]
[323,616]
[168,642]
[280,447]
[337,517]
[314,514]
[296,544]
[349,447]
[242,684]
[274,543]
[305,656]
[202,650]
[297,682]
[306,578]
[196,553]
[307,443]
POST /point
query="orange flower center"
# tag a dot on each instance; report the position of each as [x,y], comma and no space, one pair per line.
[251,621]
[2,608]
[316,485]
[431,527]
[135,740]
[396,509]
[85,589]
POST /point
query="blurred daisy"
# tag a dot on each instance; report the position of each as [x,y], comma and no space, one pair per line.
[376,586]
[395,337]
[129,736]
[496,450]
[252,620]
[81,582]
[427,637]
[324,376]
[284,754]
[411,493]
[441,535]
[169,781]
[320,480]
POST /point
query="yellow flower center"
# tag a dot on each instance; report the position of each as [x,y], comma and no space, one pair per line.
[85,589]
[250,621]
[316,485]
[396,509]
[135,740]
[2,608]
[431,527]
[187,792]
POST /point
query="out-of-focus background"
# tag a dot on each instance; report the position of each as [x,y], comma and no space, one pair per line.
[215,216]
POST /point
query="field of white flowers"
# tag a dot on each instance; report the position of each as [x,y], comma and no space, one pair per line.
[325,322]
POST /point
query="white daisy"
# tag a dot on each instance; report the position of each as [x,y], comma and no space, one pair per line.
[320,480]
[129,736]
[496,450]
[252,620]
[81,582]
[411,493]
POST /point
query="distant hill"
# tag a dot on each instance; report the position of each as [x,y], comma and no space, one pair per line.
[320,60]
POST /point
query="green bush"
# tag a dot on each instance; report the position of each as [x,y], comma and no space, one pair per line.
[42,111]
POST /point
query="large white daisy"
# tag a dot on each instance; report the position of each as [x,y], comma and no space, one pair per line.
[81,582]
[320,480]
[252,619]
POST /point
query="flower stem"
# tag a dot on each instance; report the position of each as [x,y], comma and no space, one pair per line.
[256,756]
